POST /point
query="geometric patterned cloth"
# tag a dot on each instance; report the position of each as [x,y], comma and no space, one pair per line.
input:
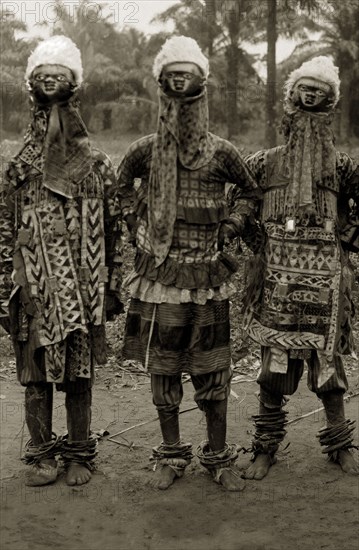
[61,260]
[297,302]
[165,334]
[299,294]
[193,260]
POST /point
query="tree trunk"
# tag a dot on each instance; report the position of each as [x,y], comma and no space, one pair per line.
[271,134]
[211,21]
[345,125]
[233,14]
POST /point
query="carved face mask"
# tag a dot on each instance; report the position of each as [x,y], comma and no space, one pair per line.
[182,80]
[312,95]
[52,83]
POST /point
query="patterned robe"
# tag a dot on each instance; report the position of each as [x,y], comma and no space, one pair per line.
[194,266]
[59,256]
[300,292]
[192,285]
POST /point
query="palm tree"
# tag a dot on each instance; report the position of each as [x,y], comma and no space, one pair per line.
[271,135]
[13,59]
[217,27]
[339,27]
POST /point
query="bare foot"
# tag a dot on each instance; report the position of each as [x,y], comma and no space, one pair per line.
[260,467]
[347,462]
[231,480]
[163,478]
[43,473]
[77,474]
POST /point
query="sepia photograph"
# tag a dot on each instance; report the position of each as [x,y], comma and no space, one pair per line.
[179,275]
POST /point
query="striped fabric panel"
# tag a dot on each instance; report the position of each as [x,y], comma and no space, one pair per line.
[287,384]
[167,391]
[184,338]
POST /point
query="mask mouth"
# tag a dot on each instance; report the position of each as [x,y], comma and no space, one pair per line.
[309,99]
[179,85]
[50,87]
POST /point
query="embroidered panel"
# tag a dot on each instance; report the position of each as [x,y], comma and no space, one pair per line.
[93,274]
[296,301]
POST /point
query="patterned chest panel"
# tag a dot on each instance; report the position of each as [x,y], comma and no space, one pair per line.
[93,272]
[297,302]
[50,270]
[62,246]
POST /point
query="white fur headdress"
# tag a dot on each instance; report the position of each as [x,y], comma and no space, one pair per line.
[320,68]
[57,50]
[180,49]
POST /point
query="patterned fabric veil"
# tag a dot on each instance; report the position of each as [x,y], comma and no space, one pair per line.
[310,158]
[57,144]
[182,136]
[67,154]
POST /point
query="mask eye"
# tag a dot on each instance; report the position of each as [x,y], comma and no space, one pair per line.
[170,75]
[302,88]
[320,93]
[39,77]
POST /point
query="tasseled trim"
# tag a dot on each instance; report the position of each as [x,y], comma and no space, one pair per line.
[157,293]
[181,275]
[275,205]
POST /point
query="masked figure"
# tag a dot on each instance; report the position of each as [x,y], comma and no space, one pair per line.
[299,301]
[178,317]
[59,267]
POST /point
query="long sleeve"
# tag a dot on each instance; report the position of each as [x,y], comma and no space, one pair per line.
[243,200]
[7,243]
[135,164]
[348,204]
[252,233]
[112,223]
[245,192]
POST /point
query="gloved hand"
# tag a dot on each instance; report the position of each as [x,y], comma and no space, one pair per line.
[5,323]
[131,222]
[253,236]
[114,306]
[227,232]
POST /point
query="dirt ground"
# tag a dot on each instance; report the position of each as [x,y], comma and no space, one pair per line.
[304,503]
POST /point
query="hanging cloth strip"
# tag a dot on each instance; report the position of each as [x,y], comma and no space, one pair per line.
[182,136]
[310,157]
[67,154]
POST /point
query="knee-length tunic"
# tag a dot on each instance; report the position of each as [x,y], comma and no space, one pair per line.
[300,292]
[192,286]
[55,266]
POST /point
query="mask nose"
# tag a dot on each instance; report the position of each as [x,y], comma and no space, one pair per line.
[178,78]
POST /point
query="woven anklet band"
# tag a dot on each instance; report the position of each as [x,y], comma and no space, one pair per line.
[176,456]
[36,453]
[269,433]
[81,452]
[215,460]
[336,438]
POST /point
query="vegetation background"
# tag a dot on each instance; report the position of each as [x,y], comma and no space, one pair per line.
[304,503]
